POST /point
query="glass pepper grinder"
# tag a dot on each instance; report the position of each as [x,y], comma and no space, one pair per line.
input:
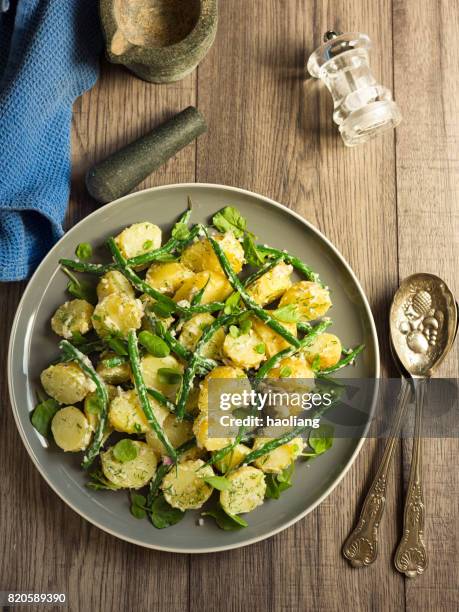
[363,108]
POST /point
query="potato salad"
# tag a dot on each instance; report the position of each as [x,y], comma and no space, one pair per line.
[145,335]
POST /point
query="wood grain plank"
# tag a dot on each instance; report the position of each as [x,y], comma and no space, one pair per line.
[427,90]
[52,548]
[271,131]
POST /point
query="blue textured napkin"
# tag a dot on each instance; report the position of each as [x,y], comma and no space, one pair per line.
[48,56]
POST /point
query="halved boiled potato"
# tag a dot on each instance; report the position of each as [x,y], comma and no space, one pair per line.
[72,317]
[312,300]
[114,282]
[296,378]
[325,351]
[247,490]
[150,366]
[274,343]
[115,375]
[192,331]
[71,430]
[232,459]
[222,373]
[271,285]
[217,288]
[177,432]
[281,457]
[201,432]
[167,277]
[243,350]
[184,487]
[200,255]
[138,239]
[117,314]
[133,474]
[66,383]
[125,413]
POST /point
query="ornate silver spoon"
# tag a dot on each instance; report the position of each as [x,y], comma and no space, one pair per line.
[423,323]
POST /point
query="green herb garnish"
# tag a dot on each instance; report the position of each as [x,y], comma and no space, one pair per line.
[230,219]
[169,376]
[218,482]
[84,251]
[125,450]
[43,414]
[163,515]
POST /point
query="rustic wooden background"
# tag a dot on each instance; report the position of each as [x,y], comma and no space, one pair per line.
[391,207]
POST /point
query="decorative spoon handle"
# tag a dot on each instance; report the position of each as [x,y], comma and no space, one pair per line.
[411,557]
[361,547]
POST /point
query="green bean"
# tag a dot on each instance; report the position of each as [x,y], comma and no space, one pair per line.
[291,259]
[223,452]
[102,396]
[342,363]
[162,399]
[91,268]
[258,273]
[143,394]
[273,444]
[176,347]
[190,371]
[247,299]
[141,285]
[171,245]
[303,327]
[288,352]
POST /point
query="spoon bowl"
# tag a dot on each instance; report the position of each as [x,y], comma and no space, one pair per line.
[423,322]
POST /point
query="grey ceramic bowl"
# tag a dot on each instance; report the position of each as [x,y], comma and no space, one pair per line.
[33,346]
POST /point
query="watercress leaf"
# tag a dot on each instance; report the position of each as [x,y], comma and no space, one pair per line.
[285,371]
[232,303]
[118,346]
[82,290]
[92,405]
[154,344]
[218,482]
[138,512]
[169,376]
[245,326]
[227,522]
[285,477]
[125,450]
[260,348]
[83,251]
[321,439]
[287,314]
[138,499]
[180,231]
[272,487]
[252,255]
[98,482]
[230,219]
[163,515]
[43,414]
[233,331]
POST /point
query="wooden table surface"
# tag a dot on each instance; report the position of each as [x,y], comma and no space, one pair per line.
[390,206]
